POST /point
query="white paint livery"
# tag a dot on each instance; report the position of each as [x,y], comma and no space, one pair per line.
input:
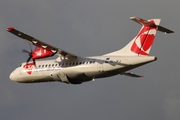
[72,69]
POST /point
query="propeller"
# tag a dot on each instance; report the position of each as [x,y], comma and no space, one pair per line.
[30,55]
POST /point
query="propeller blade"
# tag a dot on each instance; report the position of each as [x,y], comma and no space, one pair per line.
[34,62]
[28,59]
[30,47]
[25,51]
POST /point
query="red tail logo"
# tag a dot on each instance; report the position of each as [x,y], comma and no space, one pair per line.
[28,67]
[143,41]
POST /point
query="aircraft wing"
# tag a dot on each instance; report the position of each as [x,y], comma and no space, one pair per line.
[40,44]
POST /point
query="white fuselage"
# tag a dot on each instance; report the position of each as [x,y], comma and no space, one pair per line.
[78,70]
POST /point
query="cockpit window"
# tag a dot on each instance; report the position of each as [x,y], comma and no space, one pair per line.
[20,65]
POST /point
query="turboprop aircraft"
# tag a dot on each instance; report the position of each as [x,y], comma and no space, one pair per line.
[73,69]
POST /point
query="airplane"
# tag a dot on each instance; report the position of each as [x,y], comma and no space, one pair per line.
[72,69]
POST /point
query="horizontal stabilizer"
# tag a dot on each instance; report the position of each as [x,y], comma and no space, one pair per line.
[148,23]
[165,30]
[143,22]
[131,74]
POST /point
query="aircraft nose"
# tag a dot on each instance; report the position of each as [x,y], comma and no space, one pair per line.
[12,76]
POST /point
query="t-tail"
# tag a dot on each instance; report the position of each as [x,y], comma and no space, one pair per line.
[142,43]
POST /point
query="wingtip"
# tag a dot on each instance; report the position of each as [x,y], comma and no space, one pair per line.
[10,28]
[134,17]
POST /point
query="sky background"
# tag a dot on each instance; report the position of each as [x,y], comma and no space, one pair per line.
[85,28]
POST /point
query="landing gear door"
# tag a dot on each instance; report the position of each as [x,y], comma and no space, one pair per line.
[63,77]
[60,76]
[100,63]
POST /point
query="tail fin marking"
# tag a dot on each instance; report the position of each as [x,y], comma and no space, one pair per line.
[145,38]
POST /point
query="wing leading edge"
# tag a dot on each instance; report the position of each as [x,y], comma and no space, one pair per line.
[41,44]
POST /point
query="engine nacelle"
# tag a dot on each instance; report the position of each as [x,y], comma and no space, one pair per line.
[42,53]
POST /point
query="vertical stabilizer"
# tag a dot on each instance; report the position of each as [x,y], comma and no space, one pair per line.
[142,43]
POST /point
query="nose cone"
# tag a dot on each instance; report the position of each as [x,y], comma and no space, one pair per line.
[13,76]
